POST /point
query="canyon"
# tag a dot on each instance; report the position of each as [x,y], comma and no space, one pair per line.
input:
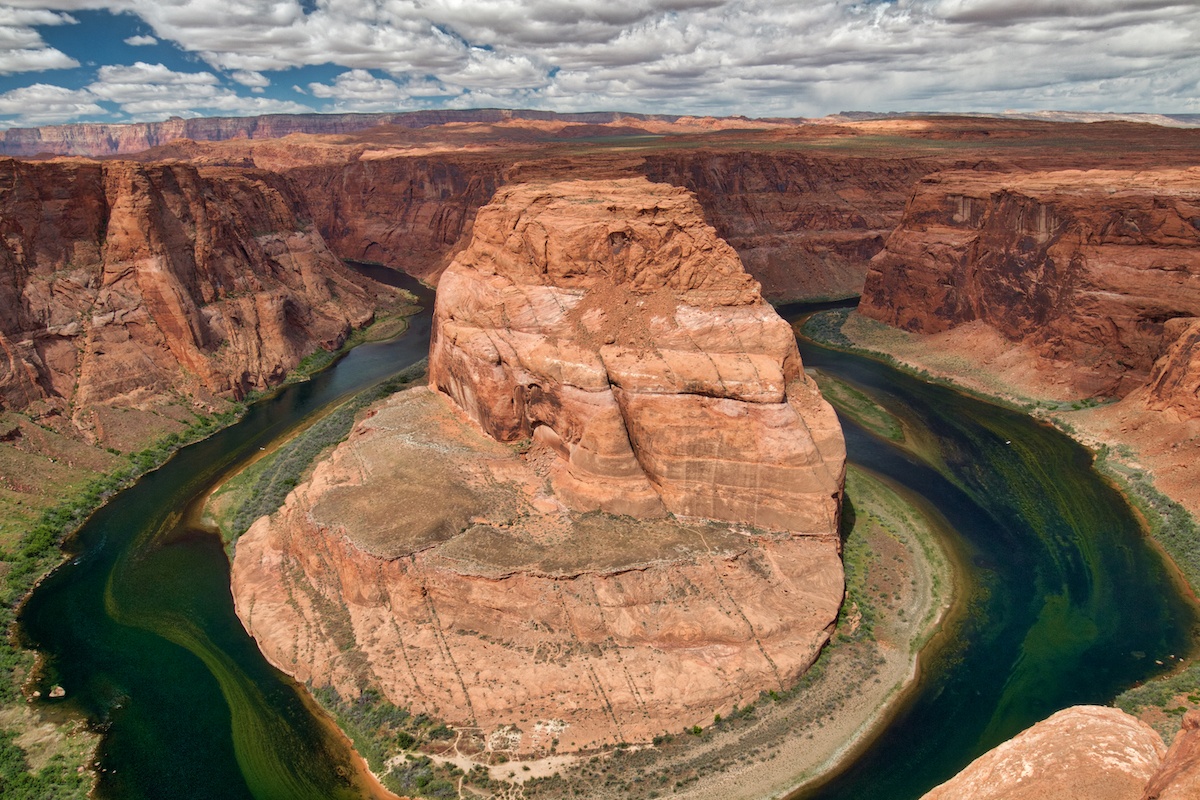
[140,290]
[671,508]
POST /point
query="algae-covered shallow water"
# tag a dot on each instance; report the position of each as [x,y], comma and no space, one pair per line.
[1068,604]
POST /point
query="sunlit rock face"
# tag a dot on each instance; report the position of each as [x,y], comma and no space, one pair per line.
[608,320]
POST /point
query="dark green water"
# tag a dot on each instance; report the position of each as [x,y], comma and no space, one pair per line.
[139,626]
[1069,604]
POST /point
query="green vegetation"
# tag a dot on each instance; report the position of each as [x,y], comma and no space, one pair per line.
[35,554]
[262,487]
[1164,694]
[385,326]
[57,780]
[1170,524]
[383,732]
[856,404]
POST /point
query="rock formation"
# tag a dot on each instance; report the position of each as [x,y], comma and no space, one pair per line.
[604,330]
[1179,776]
[126,284]
[1084,753]
[408,212]
[102,139]
[805,226]
[1099,269]
[607,320]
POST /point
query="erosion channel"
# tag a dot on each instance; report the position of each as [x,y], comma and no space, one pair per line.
[1065,600]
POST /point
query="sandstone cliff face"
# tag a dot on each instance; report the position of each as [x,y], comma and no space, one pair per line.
[1084,753]
[123,284]
[1098,268]
[406,212]
[804,226]
[431,562]
[607,320]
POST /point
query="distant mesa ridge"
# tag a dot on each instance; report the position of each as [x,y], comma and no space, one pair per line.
[109,139]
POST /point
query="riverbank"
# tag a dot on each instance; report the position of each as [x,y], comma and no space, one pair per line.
[47,750]
[1153,458]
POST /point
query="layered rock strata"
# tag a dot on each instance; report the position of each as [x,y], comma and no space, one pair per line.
[1084,753]
[102,139]
[433,563]
[805,226]
[658,542]
[126,284]
[607,320]
[1097,269]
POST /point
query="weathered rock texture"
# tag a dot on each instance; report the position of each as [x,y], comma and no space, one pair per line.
[607,320]
[1084,753]
[1179,776]
[123,284]
[604,327]
[805,226]
[406,212]
[1100,269]
[430,561]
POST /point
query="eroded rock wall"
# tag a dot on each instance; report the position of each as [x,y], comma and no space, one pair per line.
[804,226]
[124,284]
[1097,268]
[409,213]
[428,561]
[608,320]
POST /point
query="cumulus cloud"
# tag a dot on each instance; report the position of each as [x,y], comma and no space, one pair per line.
[756,57]
[255,80]
[359,90]
[153,91]
[141,41]
[43,104]
[22,48]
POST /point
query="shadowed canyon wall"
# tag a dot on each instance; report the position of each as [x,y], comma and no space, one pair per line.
[127,284]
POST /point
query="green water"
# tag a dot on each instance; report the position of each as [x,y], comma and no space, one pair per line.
[1067,604]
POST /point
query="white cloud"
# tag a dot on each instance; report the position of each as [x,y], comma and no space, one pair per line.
[22,48]
[43,104]
[359,90]
[255,80]
[141,41]
[754,57]
[153,91]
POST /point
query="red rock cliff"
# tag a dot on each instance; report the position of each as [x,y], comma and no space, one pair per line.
[124,284]
[405,212]
[804,226]
[1098,268]
[608,320]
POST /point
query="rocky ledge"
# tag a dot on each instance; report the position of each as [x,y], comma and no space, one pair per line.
[1084,753]
[656,542]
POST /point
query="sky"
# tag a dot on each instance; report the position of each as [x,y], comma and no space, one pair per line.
[139,60]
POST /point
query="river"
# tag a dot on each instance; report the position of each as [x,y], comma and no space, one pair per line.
[1067,603]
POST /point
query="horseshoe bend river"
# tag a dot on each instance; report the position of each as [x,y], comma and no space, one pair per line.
[1066,601]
